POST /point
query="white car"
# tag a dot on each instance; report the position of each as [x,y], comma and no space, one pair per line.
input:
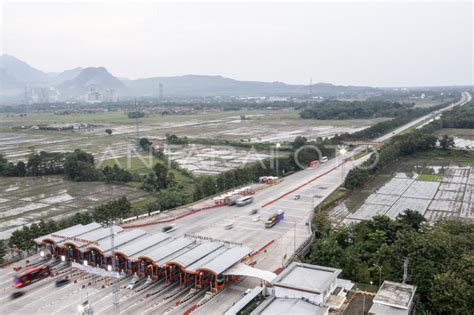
[133,282]
[256,219]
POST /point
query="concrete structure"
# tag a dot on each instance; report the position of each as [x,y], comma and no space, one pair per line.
[205,263]
[299,280]
[299,289]
[393,298]
[286,306]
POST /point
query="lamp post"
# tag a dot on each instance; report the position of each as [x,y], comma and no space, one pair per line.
[380,273]
[277,146]
[115,287]
[342,152]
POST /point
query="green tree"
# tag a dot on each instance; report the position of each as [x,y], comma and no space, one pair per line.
[145,144]
[322,224]
[452,293]
[3,251]
[411,218]
[79,166]
[109,131]
[171,198]
[446,142]
[299,142]
[112,211]
[161,172]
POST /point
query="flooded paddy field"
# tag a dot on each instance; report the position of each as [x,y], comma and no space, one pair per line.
[24,200]
[18,145]
[212,160]
[257,126]
[463,138]
[436,189]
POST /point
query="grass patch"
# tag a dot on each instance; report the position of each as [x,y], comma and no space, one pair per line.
[336,195]
[134,164]
[429,178]
[361,155]
[435,155]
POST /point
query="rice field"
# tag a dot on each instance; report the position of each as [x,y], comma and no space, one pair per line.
[24,200]
[436,190]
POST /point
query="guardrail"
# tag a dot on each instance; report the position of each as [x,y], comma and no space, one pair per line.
[193,211]
[157,212]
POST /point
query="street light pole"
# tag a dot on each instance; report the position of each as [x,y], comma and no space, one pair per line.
[380,273]
[276,158]
[294,239]
[342,152]
[115,287]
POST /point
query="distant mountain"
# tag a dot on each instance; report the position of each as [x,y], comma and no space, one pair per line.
[97,78]
[58,78]
[21,71]
[8,81]
[201,85]
[15,75]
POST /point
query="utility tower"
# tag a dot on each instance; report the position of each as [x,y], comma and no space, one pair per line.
[311,87]
[136,124]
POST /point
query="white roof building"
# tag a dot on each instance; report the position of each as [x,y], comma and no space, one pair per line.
[393,298]
[299,280]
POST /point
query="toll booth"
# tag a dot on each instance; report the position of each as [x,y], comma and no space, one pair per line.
[247,190]
[219,201]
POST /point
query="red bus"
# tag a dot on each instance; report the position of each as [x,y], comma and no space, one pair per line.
[30,276]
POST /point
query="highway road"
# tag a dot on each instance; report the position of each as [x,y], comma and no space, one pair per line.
[44,298]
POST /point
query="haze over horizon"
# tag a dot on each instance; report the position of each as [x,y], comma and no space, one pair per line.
[394,44]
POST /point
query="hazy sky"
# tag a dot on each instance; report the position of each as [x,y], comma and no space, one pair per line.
[362,43]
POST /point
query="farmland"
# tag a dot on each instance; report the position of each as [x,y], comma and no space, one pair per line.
[463,138]
[436,188]
[258,126]
[24,200]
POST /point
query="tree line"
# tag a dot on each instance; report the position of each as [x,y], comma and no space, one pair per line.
[399,146]
[459,117]
[440,257]
[382,128]
[77,166]
[334,109]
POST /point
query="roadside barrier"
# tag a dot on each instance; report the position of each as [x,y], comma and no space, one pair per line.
[264,247]
[194,211]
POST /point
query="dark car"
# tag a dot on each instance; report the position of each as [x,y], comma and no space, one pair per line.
[16,295]
[254,211]
[62,282]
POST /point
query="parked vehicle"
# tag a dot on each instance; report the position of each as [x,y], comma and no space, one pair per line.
[254,211]
[229,226]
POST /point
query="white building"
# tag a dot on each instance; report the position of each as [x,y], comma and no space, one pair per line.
[305,289]
[393,298]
